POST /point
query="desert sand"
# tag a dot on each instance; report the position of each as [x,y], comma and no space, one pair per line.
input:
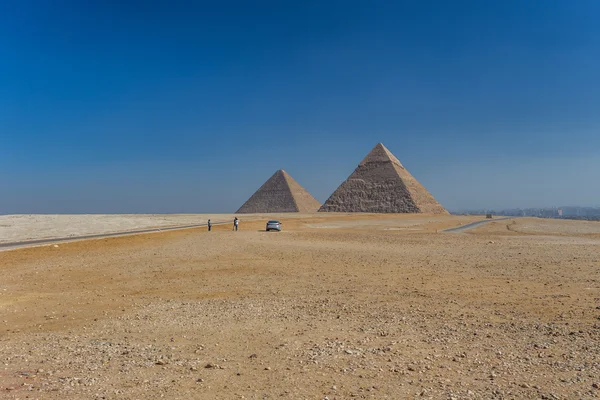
[15,228]
[336,306]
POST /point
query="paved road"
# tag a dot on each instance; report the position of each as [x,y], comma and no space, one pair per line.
[40,242]
[475,224]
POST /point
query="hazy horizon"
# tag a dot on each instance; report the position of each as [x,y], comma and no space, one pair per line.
[172,108]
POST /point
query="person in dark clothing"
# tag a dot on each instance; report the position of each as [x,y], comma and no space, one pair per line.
[209,225]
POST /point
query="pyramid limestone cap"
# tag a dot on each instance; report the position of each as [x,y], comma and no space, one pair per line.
[380,154]
[285,175]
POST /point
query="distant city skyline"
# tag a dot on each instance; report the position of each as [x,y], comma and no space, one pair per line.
[557,208]
[188,108]
[566,212]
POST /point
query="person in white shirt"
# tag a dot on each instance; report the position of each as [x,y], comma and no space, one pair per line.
[236,222]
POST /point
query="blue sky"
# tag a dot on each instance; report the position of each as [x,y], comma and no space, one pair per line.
[123,106]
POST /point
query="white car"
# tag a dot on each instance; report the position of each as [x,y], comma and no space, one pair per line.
[273,226]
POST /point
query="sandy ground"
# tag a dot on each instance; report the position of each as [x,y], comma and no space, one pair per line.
[334,307]
[538,226]
[16,228]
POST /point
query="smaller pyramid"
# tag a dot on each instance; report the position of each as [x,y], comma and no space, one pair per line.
[280,194]
[381,184]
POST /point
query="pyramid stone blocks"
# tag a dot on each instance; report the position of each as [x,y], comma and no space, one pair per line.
[280,194]
[381,184]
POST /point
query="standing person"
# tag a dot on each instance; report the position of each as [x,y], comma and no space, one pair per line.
[236,222]
[209,225]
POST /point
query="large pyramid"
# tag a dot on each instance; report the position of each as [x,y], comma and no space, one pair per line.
[380,184]
[281,193]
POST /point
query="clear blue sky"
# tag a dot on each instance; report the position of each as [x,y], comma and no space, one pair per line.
[182,106]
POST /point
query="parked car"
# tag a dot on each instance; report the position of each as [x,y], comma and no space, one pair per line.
[273,226]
